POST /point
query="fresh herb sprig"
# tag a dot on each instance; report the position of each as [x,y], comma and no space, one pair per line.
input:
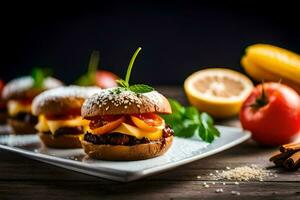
[90,77]
[39,75]
[137,88]
[188,122]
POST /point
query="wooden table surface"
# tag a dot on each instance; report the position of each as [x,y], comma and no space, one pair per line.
[23,178]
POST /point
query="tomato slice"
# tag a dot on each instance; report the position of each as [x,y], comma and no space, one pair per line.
[151,119]
[106,126]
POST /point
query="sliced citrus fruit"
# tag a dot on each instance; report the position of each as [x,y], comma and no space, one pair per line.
[218,91]
[276,60]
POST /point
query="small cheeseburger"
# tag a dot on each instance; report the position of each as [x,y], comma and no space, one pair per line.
[60,124]
[3,108]
[19,94]
[125,125]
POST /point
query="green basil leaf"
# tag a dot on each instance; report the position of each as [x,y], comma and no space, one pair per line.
[172,119]
[192,113]
[140,88]
[214,131]
[190,130]
[188,122]
[176,106]
[207,119]
[178,130]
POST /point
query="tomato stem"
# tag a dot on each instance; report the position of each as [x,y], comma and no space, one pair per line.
[262,100]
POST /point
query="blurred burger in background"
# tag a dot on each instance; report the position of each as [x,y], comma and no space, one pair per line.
[60,124]
[3,109]
[19,94]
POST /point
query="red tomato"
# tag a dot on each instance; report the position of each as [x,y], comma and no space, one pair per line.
[1,86]
[103,120]
[272,114]
[106,79]
[150,118]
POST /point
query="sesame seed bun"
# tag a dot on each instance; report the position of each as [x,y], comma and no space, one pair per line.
[59,101]
[116,101]
[23,87]
[122,152]
[61,141]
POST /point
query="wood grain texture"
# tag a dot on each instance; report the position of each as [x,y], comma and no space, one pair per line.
[22,178]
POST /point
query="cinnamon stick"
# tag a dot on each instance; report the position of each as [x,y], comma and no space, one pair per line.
[293,162]
[290,147]
[288,157]
[281,156]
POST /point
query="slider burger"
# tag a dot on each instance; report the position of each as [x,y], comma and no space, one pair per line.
[19,94]
[60,124]
[125,125]
[3,108]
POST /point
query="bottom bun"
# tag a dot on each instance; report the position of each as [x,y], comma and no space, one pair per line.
[20,127]
[61,141]
[122,152]
[3,118]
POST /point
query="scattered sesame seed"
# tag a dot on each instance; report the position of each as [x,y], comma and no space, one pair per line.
[198,177]
[206,186]
[235,193]
[219,190]
[228,167]
[236,183]
[244,173]
[224,183]
[213,183]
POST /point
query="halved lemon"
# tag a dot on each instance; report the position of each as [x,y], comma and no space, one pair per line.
[218,91]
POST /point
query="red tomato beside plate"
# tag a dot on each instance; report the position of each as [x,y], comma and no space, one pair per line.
[272,114]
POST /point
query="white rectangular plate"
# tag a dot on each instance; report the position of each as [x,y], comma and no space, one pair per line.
[183,151]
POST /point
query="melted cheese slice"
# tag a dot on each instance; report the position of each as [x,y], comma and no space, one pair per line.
[15,107]
[46,125]
[128,129]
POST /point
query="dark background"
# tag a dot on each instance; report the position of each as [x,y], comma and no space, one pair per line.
[177,38]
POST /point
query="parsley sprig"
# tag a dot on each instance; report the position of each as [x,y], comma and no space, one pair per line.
[90,77]
[137,88]
[39,75]
[188,122]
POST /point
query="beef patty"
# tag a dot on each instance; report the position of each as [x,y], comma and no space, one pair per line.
[67,131]
[25,117]
[121,139]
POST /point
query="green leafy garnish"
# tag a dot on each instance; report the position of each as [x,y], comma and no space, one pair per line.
[39,75]
[90,77]
[188,122]
[137,88]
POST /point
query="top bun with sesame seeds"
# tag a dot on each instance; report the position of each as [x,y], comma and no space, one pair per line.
[119,101]
[23,87]
[60,100]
